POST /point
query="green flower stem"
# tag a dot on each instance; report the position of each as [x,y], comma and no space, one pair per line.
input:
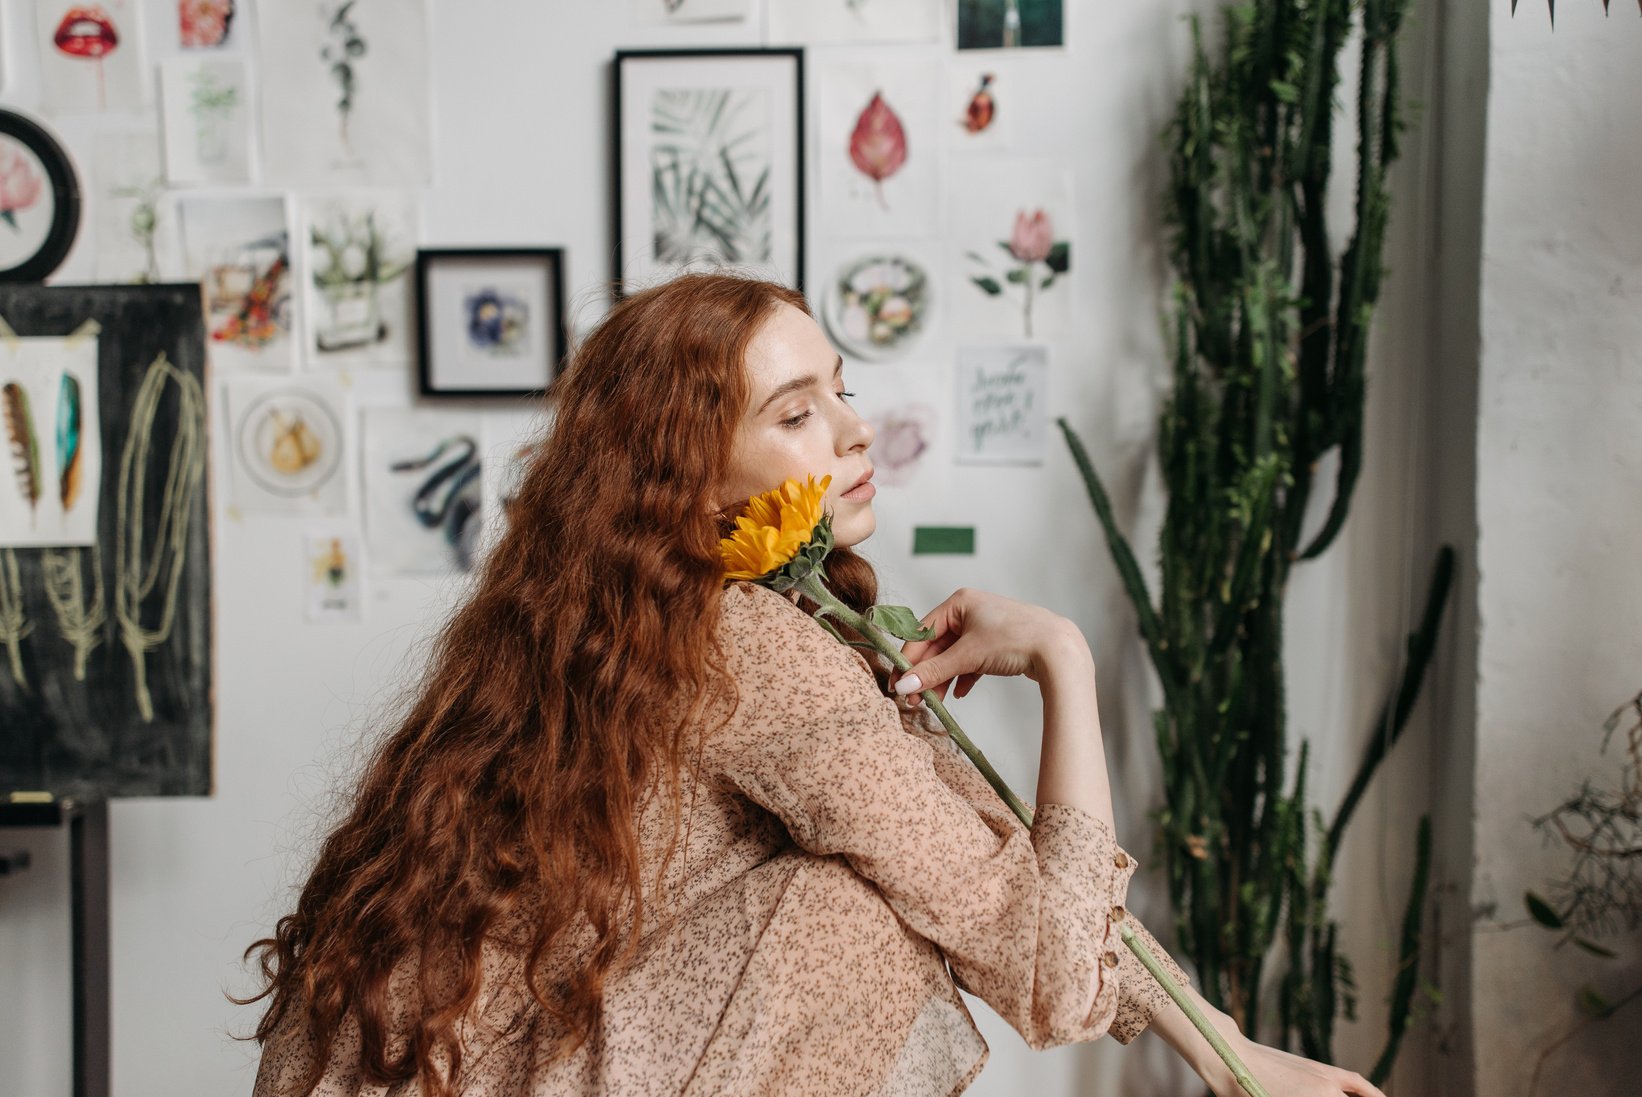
[1210,1033]
[811,585]
[831,607]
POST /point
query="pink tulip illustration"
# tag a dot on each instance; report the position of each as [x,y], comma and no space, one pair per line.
[878,147]
[1032,242]
[19,183]
[1033,237]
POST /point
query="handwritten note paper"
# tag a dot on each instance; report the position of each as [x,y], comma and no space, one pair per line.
[1001,405]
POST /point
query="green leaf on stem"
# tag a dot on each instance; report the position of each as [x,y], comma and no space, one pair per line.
[1595,949]
[990,285]
[900,622]
[1542,912]
[1593,1002]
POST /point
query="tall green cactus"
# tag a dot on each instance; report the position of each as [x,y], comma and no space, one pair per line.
[1271,336]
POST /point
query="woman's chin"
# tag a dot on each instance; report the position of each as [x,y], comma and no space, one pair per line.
[857,528]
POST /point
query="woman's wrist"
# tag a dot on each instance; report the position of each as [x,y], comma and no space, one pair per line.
[1062,652]
[1196,1049]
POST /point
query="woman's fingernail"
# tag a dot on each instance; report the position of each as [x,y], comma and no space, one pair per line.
[909,684]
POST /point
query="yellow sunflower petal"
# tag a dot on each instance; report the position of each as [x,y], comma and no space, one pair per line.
[750,554]
[762,510]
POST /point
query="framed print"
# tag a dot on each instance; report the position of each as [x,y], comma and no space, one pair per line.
[709,164]
[491,320]
[39,201]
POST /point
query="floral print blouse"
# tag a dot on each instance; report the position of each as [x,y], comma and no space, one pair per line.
[841,872]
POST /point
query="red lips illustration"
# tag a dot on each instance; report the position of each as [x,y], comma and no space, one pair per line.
[86,32]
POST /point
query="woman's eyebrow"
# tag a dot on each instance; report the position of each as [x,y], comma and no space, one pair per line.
[796,383]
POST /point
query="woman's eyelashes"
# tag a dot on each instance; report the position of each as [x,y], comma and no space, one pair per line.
[794,421]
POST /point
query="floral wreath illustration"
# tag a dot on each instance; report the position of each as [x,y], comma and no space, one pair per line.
[781,541]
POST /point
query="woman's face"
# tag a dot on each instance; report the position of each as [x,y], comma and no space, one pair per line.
[799,424]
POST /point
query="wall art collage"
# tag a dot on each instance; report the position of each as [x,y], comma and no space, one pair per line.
[865,151]
[297,213]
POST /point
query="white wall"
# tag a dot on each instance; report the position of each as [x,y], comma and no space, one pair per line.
[1559,510]
[521,132]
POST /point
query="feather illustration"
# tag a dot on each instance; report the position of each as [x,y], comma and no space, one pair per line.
[25,447]
[68,440]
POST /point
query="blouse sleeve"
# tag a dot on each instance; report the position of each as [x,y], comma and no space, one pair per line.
[1140,997]
[1027,919]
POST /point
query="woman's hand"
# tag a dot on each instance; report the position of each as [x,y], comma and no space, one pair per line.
[1278,1072]
[977,633]
[1286,1075]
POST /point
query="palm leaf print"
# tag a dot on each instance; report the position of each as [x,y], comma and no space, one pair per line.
[25,447]
[710,174]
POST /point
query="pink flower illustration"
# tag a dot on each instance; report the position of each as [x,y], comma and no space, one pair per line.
[1032,238]
[19,183]
[901,437]
[1031,242]
[203,23]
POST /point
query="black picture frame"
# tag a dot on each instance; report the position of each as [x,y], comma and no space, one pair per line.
[641,218]
[65,190]
[451,289]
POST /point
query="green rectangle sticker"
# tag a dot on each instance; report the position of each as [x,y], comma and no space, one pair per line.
[943,540]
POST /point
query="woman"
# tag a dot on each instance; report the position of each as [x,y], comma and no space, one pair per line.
[643,833]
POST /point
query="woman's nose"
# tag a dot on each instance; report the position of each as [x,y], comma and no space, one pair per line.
[858,433]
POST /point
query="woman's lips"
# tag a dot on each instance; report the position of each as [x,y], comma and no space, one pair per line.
[86,32]
[861,492]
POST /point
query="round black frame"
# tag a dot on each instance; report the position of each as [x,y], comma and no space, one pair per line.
[65,186]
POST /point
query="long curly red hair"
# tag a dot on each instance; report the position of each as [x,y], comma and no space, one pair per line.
[558,698]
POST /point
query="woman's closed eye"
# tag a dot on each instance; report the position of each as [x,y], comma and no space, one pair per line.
[798,420]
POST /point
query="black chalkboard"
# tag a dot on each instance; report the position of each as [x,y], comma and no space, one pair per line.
[105,650]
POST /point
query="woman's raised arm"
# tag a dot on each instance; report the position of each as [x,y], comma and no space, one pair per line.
[976,634]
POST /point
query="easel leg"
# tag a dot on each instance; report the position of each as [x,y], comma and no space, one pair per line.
[88,875]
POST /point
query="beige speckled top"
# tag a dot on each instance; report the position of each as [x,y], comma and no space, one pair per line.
[843,866]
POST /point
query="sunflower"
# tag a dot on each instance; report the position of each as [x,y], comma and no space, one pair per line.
[779,526]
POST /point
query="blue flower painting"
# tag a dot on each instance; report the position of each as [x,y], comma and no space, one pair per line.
[496,322]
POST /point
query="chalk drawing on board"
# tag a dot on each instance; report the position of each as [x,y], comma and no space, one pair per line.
[105,648]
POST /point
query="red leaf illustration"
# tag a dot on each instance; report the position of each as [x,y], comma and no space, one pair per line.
[878,147]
